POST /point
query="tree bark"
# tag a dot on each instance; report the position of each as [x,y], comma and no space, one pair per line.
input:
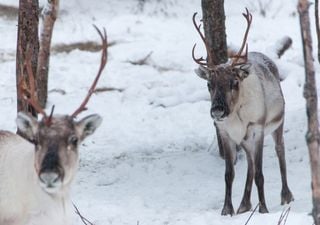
[310,94]
[214,29]
[316,12]
[213,17]
[49,15]
[27,48]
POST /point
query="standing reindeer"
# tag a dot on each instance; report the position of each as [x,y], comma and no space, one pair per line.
[246,104]
[35,175]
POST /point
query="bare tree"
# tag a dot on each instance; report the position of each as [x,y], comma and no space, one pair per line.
[49,15]
[27,49]
[310,94]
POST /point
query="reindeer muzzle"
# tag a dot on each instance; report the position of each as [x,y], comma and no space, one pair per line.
[218,112]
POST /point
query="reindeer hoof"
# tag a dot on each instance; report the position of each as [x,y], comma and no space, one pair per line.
[263,208]
[244,207]
[227,210]
[286,196]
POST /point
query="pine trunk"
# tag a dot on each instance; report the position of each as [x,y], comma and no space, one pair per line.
[215,30]
[310,94]
[27,48]
[213,17]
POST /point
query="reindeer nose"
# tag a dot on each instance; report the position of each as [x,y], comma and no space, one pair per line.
[217,112]
[50,179]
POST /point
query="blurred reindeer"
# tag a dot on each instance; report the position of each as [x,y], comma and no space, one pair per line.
[246,104]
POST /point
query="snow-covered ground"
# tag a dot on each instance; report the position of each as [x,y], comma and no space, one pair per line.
[154,160]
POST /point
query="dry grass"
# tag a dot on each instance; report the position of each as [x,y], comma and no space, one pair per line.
[89,46]
[9,12]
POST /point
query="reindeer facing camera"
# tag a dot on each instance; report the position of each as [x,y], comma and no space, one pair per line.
[35,175]
[246,104]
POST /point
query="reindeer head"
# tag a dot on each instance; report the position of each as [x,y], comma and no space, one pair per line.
[56,146]
[57,137]
[224,80]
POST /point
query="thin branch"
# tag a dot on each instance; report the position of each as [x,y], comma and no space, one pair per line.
[286,43]
[284,216]
[83,219]
[107,89]
[254,210]
[142,61]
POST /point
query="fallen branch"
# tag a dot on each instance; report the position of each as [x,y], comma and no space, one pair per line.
[58,90]
[106,89]
[284,44]
[84,220]
[255,209]
[283,217]
[142,61]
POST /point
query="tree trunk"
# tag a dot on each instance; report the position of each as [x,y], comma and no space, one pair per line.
[215,32]
[27,48]
[316,12]
[310,94]
[49,16]
[214,29]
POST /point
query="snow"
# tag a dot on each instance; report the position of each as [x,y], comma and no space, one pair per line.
[154,160]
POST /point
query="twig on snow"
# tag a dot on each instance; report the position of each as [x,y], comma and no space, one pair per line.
[284,215]
[84,220]
[255,209]
[108,89]
[142,61]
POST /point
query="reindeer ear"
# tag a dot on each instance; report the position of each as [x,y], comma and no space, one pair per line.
[27,124]
[202,72]
[244,71]
[88,125]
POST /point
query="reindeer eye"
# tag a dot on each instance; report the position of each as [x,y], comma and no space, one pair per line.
[73,140]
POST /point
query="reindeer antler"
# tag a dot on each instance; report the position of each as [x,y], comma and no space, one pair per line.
[28,92]
[103,62]
[239,55]
[201,61]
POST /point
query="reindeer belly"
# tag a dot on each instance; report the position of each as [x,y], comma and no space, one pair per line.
[274,106]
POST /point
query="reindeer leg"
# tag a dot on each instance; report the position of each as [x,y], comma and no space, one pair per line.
[221,151]
[259,179]
[286,195]
[229,152]
[253,145]
[246,202]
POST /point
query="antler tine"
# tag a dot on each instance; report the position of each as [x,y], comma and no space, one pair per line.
[244,57]
[104,57]
[49,119]
[248,17]
[30,95]
[200,60]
